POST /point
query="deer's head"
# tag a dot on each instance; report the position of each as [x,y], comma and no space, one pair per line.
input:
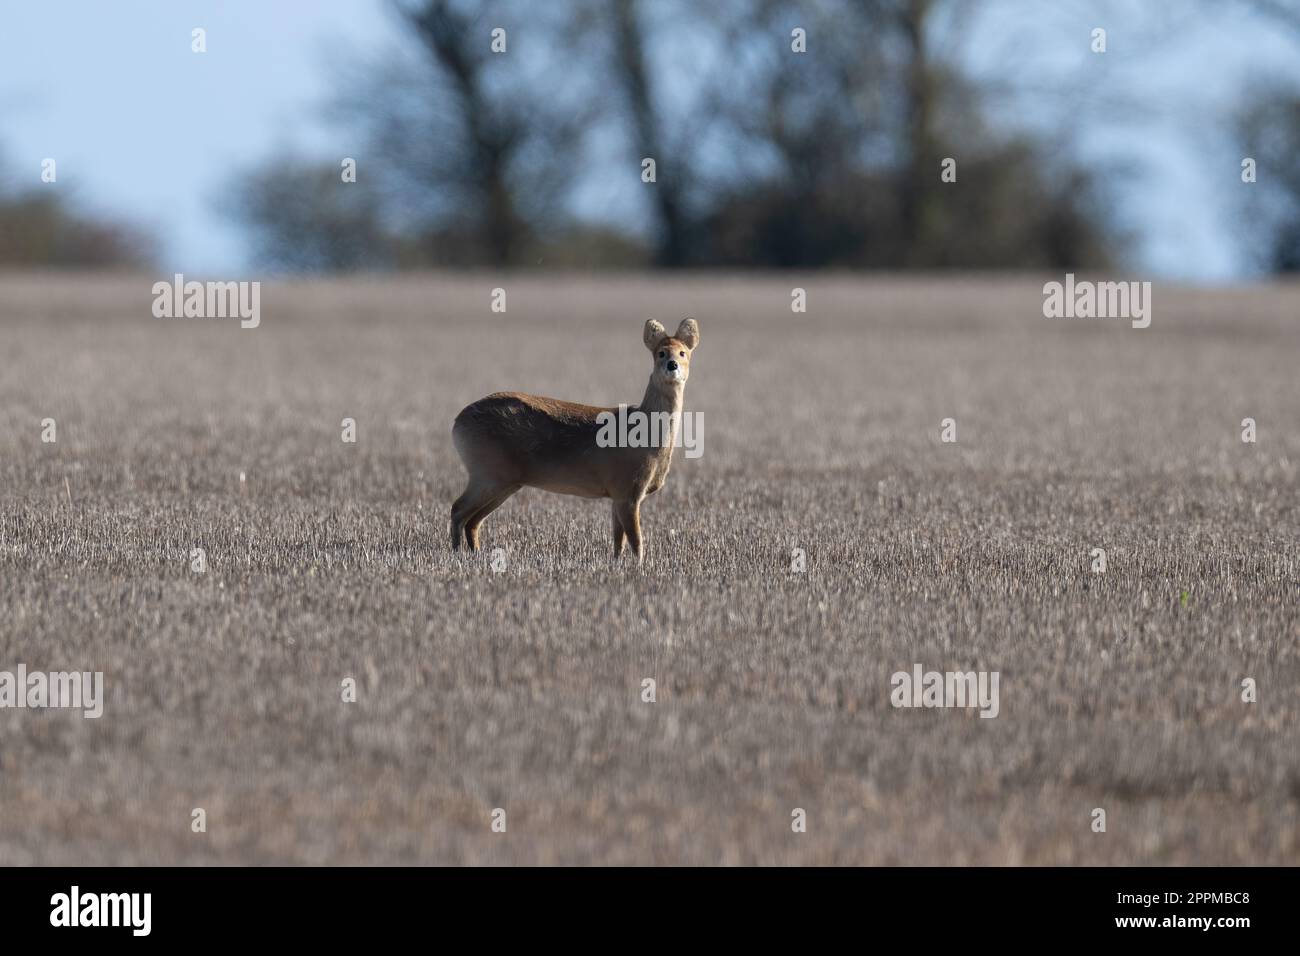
[672,353]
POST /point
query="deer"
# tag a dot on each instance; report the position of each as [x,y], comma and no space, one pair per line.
[511,440]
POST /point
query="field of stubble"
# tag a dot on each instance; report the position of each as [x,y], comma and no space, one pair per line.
[521,689]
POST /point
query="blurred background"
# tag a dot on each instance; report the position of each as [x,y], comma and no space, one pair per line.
[480,690]
[231,160]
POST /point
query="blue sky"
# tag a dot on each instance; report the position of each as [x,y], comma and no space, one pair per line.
[140,126]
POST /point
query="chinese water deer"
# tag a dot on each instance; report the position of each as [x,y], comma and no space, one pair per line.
[509,440]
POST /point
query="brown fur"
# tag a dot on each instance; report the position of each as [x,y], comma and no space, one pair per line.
[510,440]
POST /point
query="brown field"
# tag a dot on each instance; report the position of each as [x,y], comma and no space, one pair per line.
[521,689]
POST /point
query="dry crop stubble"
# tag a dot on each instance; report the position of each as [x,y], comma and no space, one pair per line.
[521,689]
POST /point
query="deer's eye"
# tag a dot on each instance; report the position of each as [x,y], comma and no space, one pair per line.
[662,354]
[681,355]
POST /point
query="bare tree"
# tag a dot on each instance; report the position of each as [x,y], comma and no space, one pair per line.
[304,218]
[849,138]
[41,227]
[491,134]
[1270,131]
[647,120]
[476,152]
[918,173]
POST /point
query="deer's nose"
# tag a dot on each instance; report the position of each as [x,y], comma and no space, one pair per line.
[672,365]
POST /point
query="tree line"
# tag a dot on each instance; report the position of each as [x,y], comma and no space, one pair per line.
[675,134]
[745,133]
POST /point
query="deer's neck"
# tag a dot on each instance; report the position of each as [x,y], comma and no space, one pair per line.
[663,398]
[658,400]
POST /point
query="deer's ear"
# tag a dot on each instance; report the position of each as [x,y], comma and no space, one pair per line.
[688,333]
[654,334]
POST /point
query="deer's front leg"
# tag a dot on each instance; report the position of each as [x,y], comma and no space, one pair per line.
[620,536]
[628,514]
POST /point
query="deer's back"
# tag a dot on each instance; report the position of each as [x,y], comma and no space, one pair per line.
[529,438]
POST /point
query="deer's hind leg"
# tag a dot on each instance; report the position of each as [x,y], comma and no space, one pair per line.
[469,510]
[458,516]
[497,499]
